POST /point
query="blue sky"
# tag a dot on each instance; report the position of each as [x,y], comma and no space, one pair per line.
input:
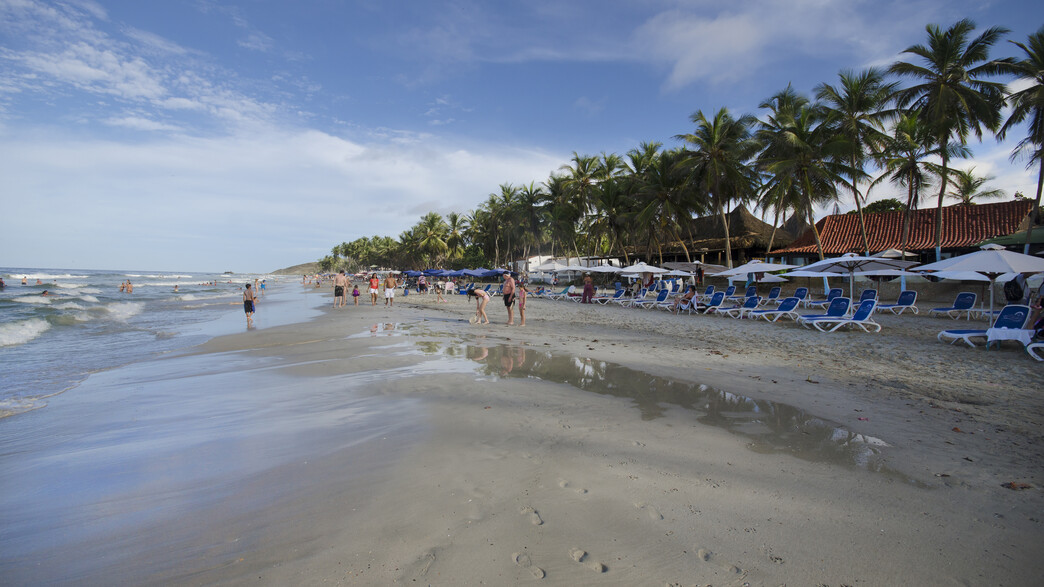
[204,135]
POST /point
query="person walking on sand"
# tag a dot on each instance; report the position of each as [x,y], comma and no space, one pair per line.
[374,284]
[390,283]
[248,304]
[340,284]
[508,291]
[481,299]
[588,290]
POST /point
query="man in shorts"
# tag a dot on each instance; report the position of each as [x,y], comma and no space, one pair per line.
[340,287]
[508,291]
[390,283]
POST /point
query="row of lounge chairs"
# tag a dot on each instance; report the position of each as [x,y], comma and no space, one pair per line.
[837,314]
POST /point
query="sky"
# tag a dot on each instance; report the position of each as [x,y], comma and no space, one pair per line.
[251,135]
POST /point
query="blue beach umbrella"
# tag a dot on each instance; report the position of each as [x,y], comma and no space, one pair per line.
[413,273]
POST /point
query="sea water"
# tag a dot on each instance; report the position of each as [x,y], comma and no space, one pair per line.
[49,343]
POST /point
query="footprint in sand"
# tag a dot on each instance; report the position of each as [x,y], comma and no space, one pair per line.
[654,514]
[703,554]
[420,566]
[565,485]
[522,560]
[580,556]
[534,517]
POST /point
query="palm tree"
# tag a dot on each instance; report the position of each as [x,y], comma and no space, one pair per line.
[721,172]
[1029,103]
[456,227]
[799,145]
[906,162]
[429,236]
[856,110]
[967,187]
[953,95]
[665,200]
[531,217]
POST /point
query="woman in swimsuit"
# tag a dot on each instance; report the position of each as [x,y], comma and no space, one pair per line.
[481,299]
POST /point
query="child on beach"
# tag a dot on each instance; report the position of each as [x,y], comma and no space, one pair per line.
[522,291]
[355,294]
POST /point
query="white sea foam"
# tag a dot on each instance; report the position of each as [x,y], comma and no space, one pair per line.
[42,276]
[157,276]
[21,332]
[70,306]
[32,300]
[72,285]
[123,310]
[90,299]
[90,290]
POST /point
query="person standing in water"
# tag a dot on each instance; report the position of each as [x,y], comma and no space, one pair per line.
[248,304]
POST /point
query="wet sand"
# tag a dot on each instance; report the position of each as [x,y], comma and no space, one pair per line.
[597,445]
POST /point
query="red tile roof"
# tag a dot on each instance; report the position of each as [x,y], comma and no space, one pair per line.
[963,226]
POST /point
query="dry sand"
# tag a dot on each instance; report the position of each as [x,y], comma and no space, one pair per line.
[613,446]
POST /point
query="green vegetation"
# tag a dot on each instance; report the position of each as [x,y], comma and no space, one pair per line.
[801,153]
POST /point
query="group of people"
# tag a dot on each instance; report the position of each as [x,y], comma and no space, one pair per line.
[127,287]
[341,284]
[510,292]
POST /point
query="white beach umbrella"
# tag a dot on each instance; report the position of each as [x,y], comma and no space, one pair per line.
[754,267]
[678,273]
[803,273]
[894,254]
[766,279]
[550,266]
[603,269]
[887,273]
[992,262]
[850,263]
[643,268]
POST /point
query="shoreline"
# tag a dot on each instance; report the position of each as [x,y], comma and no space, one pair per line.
[505,460]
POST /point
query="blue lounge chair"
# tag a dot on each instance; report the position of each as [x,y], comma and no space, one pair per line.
[863,318]
[801,294]
[907,299]
[838,308]
[715,302]
[562,294]
[773,295]
[786,308]
[1032,349]
[835,292]
[707,293]
[1011,316]
[647,303]
[868,294]
[618,294]
[963,304]
[729,291]
[751,292]
[749,305]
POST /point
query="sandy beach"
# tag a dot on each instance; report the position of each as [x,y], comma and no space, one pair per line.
[596,445]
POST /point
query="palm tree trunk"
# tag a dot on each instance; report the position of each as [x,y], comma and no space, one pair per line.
[1035,216]
[907,217]
[812,219]
[728,240]
[938,210]
[859,210]
[772,235]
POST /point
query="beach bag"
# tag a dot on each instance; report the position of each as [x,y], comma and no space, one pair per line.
[1013,290]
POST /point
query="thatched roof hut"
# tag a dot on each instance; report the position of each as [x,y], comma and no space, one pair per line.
[749,237]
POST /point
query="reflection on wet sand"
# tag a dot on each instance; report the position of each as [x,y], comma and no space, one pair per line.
[771,426]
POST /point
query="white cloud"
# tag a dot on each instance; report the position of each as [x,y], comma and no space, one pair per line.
[221,198]
[141,123]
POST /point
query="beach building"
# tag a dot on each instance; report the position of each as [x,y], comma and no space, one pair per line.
[964,228]
[750,238]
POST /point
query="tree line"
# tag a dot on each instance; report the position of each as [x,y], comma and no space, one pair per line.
[908,122]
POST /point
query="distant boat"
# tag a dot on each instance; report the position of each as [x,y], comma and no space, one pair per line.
[229,273]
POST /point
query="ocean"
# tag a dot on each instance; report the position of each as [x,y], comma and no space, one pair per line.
[50,343]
